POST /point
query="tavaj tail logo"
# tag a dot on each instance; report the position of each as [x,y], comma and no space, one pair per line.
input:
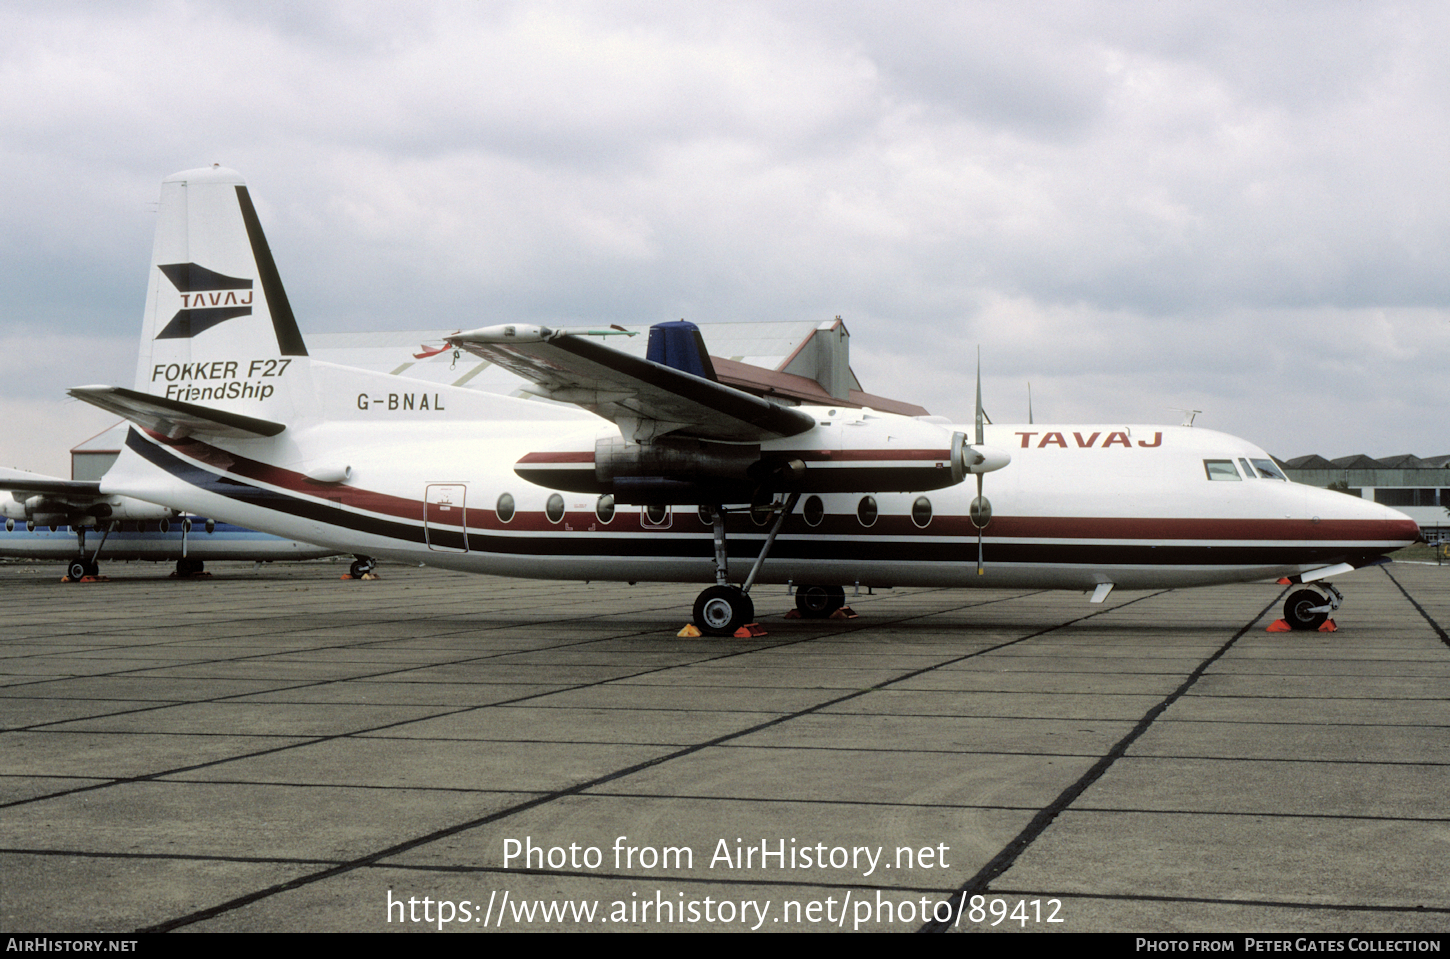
[207,298]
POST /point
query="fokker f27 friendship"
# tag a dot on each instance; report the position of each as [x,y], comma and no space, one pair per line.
[664,472]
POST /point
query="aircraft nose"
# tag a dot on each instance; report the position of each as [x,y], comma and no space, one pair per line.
[1390,525]
[1365,521]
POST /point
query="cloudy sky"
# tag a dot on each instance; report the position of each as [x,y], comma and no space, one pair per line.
[1241,208]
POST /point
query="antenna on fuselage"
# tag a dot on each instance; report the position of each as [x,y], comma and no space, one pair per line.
[1188,415]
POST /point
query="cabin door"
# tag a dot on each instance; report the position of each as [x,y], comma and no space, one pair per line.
[444,518]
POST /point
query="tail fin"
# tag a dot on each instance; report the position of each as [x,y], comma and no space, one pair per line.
[218,331]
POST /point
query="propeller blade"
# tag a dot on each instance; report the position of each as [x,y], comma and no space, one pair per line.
[981,510]
[980,570]
[981,438]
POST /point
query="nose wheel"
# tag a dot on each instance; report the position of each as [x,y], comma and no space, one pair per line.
[1308,608]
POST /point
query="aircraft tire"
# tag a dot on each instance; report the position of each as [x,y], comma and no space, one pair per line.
[818,602]
[77,569]
[721,610]
[1297,609]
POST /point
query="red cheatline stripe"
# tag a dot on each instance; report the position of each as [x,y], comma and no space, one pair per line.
[836,456]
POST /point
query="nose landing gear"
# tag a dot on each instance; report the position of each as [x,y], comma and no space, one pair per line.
[1309,607]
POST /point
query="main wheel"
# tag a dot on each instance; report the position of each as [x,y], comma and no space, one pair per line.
[76,570]
[818,602]
[1298,609]
[721,610]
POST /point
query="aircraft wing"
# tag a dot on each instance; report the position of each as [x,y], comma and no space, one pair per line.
[22,484]
[173,418]
[643,398]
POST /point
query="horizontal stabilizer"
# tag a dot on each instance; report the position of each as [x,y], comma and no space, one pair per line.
[173,418]
[644,398]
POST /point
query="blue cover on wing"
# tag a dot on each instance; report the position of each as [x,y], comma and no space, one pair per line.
[679,345]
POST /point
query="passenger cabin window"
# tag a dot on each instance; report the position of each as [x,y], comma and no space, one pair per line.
[921,512]
[814,510]
[866,511]
[1221,470]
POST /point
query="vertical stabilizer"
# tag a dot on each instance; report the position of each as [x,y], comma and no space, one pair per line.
[218,330]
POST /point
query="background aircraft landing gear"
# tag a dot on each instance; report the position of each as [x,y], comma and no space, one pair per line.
[187,566]
[1308,608]
[721,610]
[81,568]
[819,602]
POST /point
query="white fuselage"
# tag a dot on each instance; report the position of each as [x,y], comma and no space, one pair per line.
[1078,506]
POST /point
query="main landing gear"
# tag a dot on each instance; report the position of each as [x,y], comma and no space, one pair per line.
[81,567]
[819,602]
[1310,606]
[722,609]
[187,566]
[361,566]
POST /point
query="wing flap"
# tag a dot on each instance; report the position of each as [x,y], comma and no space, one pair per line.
[173,418]
[645,399]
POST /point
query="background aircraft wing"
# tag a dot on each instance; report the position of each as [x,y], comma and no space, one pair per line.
[643,398]
[22,484]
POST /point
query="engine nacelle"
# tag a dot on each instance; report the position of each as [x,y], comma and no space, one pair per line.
[45,509]
[858,453]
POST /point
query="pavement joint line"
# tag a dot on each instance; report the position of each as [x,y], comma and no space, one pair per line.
[315,740]
[1213,901]
[365,677]
[1258,814]
[406,845]
[1280,759]
[362,733]
[1439,630]
[1019,844]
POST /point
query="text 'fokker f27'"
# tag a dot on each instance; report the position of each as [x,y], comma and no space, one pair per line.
[663,472]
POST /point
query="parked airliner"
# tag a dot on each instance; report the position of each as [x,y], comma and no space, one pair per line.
[72,522]
[660,471]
